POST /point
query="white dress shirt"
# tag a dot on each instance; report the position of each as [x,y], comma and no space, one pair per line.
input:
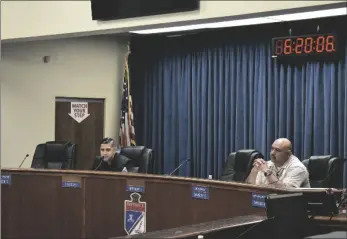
[293,174]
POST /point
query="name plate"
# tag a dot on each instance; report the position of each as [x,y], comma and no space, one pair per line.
[135,189]
[200,192]
[258,200]
[6,179]
[71,184]
[135,186]
[71,181]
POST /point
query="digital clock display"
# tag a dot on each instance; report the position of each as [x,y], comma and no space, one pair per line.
[320,44]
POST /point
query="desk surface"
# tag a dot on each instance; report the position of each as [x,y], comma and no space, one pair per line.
[36,205]
[338,222]
[155,177]
[201,228]
[338,218]
[230,225]
[151,177]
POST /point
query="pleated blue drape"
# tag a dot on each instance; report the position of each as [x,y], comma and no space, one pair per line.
[206,101]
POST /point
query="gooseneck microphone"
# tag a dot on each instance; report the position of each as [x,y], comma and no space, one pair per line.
[101,160]
[179,166]
[27,155]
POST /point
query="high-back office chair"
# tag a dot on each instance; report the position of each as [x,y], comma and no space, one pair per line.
[228,169]
[55,155]
[141,157]
[325,171]
[239,165]
[39,157]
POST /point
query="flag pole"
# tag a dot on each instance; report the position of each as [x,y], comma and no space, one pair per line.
[125,80]
[130,102]
[128,77]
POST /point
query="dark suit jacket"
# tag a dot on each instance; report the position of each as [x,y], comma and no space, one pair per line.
[117,164]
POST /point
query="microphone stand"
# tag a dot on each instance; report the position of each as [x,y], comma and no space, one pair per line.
[24,160]
[179,166]
[101,160]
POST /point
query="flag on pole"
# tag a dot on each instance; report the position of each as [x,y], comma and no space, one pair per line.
[127,130]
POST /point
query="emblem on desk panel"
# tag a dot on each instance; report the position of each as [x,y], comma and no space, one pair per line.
[134,215]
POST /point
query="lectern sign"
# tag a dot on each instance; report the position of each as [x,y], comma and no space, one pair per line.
[79,111]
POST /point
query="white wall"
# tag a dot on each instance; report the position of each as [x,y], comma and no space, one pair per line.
[21,19]
[88,67]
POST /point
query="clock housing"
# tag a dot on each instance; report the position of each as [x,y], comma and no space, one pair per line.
[305,45]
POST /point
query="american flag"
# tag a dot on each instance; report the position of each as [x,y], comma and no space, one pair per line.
[127,130]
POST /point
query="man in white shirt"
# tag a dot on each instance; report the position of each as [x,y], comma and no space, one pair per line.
[283,171]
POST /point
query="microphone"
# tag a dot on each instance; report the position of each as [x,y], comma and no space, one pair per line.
[179,166]
[27,155]
[101,160]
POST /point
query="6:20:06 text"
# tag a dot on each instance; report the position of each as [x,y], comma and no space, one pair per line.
[306,45]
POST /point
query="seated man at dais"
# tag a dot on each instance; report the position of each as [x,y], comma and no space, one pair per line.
[284,170]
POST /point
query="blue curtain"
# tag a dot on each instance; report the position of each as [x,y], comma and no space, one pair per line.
[204,100]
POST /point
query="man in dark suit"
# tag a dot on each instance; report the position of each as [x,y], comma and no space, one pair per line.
[110,158]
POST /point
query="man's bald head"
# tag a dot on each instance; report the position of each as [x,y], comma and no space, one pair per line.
[281,151]
[284,143]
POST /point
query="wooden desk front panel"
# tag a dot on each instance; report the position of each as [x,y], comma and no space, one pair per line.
[36,206]
[168,205]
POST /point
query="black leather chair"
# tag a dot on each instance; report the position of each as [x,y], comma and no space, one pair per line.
[228,169]
[39,157]
[325,171]
[239,164]
[140,157]
[305,162]
[55,155]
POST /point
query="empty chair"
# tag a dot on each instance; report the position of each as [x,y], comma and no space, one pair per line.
[39,157]
[55,155]
[140,157]
[239,164]
[305,162]
[325,171]
[228,170]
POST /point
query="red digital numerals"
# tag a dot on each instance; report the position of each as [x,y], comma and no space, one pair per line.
[305,45]
[330,44]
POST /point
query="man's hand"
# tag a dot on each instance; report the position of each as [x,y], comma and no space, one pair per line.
[260,165]
[256,164]
[253,174]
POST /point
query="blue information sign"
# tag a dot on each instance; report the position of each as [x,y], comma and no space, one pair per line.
[6,179]
[258,200]
[200,192]
[135,189]
[71,184]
